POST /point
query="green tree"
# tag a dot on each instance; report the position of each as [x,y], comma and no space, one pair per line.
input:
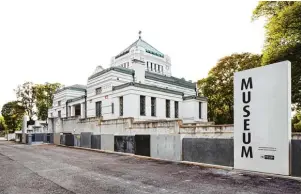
[44,98]
[218,85]
[3,126]
[283,38]
[296,122]
[27,97]
[13,113]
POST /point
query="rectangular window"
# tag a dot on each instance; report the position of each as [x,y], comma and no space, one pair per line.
[147,65]
[59,114]
[77,110]
[176,109]
[151,66]
[200,110]
[167,108]
[112,108]
[121,106]
[98,90]
[98,109]
[59,103]
[159,68]
[153,106]
[142,105]
[155,67]
[162,69]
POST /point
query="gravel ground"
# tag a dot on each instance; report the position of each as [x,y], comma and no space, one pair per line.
[52,169]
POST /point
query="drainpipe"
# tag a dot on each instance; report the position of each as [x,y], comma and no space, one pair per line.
[85,104]
[66,108]
[133,75]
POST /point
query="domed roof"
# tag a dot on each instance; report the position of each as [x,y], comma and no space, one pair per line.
[148,48]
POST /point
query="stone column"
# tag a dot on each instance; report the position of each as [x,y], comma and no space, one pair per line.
[72,112]
[82,110]
[24,128]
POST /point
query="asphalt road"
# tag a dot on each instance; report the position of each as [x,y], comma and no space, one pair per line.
[53,169]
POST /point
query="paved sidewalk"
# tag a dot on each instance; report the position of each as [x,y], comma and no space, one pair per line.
[52,169]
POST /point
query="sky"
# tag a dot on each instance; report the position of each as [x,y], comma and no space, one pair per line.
[64,40]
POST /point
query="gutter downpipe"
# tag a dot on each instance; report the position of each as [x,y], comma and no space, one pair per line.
[85,104]
[66,108]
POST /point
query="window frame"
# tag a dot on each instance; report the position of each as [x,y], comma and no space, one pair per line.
[98,109]
[121,106]
[167,108]
[142,105]
[153,106]
[200,110]
[97,90]
[176,109]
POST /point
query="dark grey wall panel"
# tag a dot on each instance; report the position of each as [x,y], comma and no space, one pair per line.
[38,137]
[85,139]
[62,141]
[69,140]
[124,144]
[51,138]
[142,145]
[96,141]
[296,157]
[47,138]
[208,150]
[77,140]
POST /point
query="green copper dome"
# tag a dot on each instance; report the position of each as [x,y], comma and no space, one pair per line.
[148,48]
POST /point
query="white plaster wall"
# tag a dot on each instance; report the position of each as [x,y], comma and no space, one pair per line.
[142,55]
[139,72]
[106,81]
[63,96]
[132,103]
[190,111]
[187,109]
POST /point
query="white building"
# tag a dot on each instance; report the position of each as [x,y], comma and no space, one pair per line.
[138,84]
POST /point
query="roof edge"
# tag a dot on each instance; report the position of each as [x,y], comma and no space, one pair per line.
[195,97]
[70,88]
[144,86]
[118,69]
[76,99]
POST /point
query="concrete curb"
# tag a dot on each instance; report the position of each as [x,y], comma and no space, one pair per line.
[189,163]
[267,174]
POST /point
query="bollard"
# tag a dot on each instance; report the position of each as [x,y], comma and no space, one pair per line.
[29,139]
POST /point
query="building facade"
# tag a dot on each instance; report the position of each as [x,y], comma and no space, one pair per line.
[138,84]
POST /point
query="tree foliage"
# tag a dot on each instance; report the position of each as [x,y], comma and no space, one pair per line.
[3,126]
[218,86]
[283,38]
[44,98]
[13,113]
[27,97]
[296,122]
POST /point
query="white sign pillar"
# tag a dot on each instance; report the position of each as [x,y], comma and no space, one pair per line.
[262,119]
[24,128]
